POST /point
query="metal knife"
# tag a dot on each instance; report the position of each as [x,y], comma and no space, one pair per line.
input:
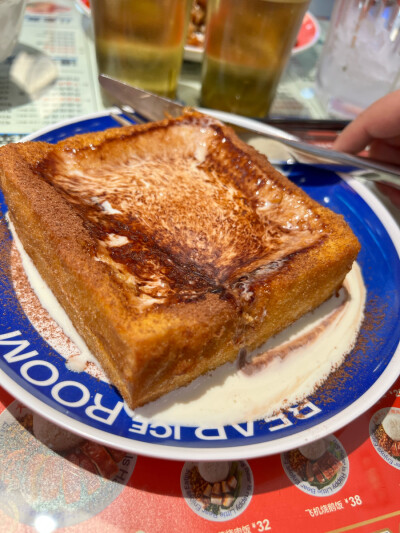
[153,107]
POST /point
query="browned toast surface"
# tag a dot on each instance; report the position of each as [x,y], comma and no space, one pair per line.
[171,245]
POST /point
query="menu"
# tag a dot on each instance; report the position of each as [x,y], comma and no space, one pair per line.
[348,481]
[58,33]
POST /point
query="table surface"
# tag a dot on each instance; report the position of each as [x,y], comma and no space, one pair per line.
[88,486]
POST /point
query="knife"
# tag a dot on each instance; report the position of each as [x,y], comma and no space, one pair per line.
[153,107]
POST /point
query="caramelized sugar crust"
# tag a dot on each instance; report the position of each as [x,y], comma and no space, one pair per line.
[171,245]
[182,210]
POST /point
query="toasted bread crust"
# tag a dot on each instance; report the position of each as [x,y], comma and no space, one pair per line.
[171,303]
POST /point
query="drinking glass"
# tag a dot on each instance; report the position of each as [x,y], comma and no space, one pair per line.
[141,41]
[247,46]
[11,17]
[360,61]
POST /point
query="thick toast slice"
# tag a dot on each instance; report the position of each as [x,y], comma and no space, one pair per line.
[171,245]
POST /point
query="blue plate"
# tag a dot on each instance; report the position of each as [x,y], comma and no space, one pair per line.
[37,375]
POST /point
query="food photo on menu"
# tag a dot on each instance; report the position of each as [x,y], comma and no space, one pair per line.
[187,320]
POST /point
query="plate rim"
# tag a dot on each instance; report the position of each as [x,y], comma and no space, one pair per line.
[83,7]
[236,120]
[315,38]
[237,452]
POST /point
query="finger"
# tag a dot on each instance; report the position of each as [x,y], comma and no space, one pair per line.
[379,121]
[383,151]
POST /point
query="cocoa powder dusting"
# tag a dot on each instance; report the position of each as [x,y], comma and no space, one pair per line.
[47,328]
[339,379]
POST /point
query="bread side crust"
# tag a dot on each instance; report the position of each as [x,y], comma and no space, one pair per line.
[149,355]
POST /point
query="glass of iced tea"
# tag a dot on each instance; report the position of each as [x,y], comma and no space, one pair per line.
[247,46]
[141,41]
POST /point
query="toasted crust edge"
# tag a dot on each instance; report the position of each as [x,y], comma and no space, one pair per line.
[186,340]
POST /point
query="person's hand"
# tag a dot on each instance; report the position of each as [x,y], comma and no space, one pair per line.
[378,129]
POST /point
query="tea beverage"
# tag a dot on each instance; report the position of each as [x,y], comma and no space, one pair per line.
[247,46]
[141,41]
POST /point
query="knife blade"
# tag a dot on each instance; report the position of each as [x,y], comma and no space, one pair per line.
[153,107]
[148,105]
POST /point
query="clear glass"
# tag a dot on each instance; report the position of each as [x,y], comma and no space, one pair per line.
[11,17]
[360,61]
[141,41]
[247,46]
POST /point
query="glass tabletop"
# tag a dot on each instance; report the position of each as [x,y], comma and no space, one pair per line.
[65,38]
